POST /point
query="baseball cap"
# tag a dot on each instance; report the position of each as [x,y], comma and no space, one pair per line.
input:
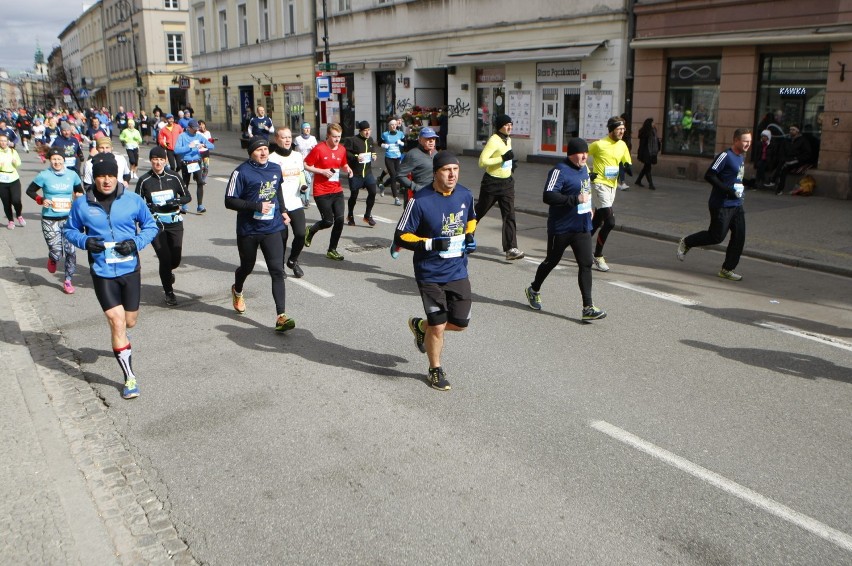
[428,132]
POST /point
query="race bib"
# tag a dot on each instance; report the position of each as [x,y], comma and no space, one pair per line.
[365,157]
[738,189]
[6,178]
[611,171]
[61,204]
[160,197]
[113,256]
[584,207]
[268,216]
[456,247]
[193,167]
[507,164]
[26,132]
[335,176]
[70,161]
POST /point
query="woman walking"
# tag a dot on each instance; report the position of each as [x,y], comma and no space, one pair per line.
[649,147]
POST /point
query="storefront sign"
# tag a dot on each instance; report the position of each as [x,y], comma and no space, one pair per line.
[558,72]
[694,71]
[491,75]
[289,87]
[793,91]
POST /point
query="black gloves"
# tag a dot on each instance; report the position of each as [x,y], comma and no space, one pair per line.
[593,176]
[172,202]
[440,244]
[508,155]
[95,245]
[469,243]
[304,188]
[127,247]
[628,168]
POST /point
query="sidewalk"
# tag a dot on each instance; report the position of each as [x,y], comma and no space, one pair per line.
[809,232]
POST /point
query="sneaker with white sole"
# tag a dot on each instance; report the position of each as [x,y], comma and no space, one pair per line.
[682,249]
[20,222]
[419,335]
[730,275]
[592,312]
[513,254]
[533,298]
[438,379]
[600,264]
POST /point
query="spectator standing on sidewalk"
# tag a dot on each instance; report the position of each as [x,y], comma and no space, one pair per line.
[725,176]
[609,155]
[498,183]
[765,156]
[649,148]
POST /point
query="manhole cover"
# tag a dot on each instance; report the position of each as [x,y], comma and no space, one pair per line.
[355,249]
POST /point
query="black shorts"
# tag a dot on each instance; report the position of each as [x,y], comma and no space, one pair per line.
[125,290]
[447,302]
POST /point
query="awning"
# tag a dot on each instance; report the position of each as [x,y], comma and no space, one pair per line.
[763,37]
[556,53]
[373,64]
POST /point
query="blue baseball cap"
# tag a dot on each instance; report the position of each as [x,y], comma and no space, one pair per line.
[170,115]
[428,132]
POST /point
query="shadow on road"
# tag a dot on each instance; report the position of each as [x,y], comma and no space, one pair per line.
[752,317]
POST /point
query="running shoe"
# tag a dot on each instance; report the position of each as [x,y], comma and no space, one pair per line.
[184,210]
[533,298]
[394,251]
[369,220]
[514,253]
[682,249]
[438,379]
[297,271]
[381,190]
[238,301]
[600,264]
[51,265]
[131,390]
[592,312]
[171,300]
[308,238]
[334,254]
[200,210]
[730,275]
[350,221]
[68,287]
[419,335]
[284,323]
[21,222]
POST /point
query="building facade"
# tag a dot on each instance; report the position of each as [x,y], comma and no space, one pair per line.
[93,82]
[747,64]
[72,64]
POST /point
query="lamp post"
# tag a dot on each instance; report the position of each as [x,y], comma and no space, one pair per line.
[126,14]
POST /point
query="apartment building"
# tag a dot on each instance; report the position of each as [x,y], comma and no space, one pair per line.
[72,62]
[93,82]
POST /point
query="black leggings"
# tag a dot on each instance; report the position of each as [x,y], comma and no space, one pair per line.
[722,221]
[645,172]
[297,224]
[169,246]
[331,211]
[391,165]
[501,192]
[272,247]
[10,194]
[581,245]
[355,185]
[604,219]
[199,181]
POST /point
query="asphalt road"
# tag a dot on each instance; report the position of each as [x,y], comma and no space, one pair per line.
[702,422]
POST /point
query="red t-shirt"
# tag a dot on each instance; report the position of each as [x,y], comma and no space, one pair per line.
[323,157]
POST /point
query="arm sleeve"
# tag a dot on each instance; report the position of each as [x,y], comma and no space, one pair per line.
[233,200]
[553,194]
[32,190]
[404,236]
[182,145]
[712,177]
[405,167]
[148,228]
[491,153]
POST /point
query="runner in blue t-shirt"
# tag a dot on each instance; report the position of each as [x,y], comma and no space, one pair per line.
[393,141]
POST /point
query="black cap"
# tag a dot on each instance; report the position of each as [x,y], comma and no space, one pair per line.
[104,164]
[614,122]
[363,125]
[444,158]
[501,120]
[577,145]
[158,151]
[255,143]
[55,151]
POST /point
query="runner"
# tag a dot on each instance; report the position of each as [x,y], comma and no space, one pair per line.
[304,143]
[360,155]
[164,193]
[293,185]
[10,184]
[326,160]
[438,225]
[190,148]
[9,133]
[104,145]
[59,187]
[70,147]
[607,154]
[113,225]
[415,170]
[131,138]
[569,223]
[167,139]
[24,123]
[205,156]
[254,191]
[393,141]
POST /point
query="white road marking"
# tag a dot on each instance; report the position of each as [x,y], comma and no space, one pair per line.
[821,530]
[659,294]
[534,261]
[223,179]
[384,220]
[300,282]
[821,338]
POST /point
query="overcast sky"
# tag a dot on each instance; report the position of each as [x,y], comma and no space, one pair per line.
[26,24]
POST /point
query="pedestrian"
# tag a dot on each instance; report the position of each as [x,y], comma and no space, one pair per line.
[609,154]
[205,156]
[260,125]
[797,157]
[121,120]
[144,123]
[766,156]
[70,146]
[10,184]
[417,164]
[498,183]
[360,155]
[393,141]
[104,145]
[649,148]
[304,143]
[167,139]
[131,138]
[438,225]
[326,161]
[59,187]
[569,223]
[293,185]
[725,176]
[165,194]
[254,191]
[24,124]
[113,224]
[190,148]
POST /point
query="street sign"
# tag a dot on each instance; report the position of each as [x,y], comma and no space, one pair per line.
[183,83]
[323,88]
[326,66]
[66,91]
[84,93]
[66,98]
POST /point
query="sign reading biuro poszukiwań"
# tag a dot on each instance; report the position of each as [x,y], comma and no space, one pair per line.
[558,72]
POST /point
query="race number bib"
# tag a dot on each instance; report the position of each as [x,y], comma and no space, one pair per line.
[193,167]
[160,197]
[70,161]
[584,207]
[738,189]
[456,247]
[61,204]
[268,216]
[365,157]
[6,177]
[113,256]
[611,171]
[335,177]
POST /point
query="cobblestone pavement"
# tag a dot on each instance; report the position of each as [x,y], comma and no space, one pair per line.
[72,491]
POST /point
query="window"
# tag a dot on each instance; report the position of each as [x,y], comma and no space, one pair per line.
[289,17]
[343,6]
[202,39]
[263,11]
[174,47]
[692,106]
[223,29]
[242,24]
[171,4]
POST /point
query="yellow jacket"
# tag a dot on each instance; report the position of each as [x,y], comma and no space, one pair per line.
[491,157]
[9,163]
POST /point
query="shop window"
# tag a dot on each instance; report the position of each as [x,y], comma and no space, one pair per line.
[692,106]
[294,110]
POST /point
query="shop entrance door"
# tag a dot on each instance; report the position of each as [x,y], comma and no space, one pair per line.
[560,119]
[490,102]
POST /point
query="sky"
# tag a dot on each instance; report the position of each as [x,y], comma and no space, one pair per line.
[33,23]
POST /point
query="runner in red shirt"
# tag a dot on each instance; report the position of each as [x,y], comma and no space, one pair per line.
[326,161]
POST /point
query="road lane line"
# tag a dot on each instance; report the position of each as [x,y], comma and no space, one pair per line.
[821,530]
[659,294]
[301,282]
[384,220]
[223,179]
[534,261]
[821,338]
